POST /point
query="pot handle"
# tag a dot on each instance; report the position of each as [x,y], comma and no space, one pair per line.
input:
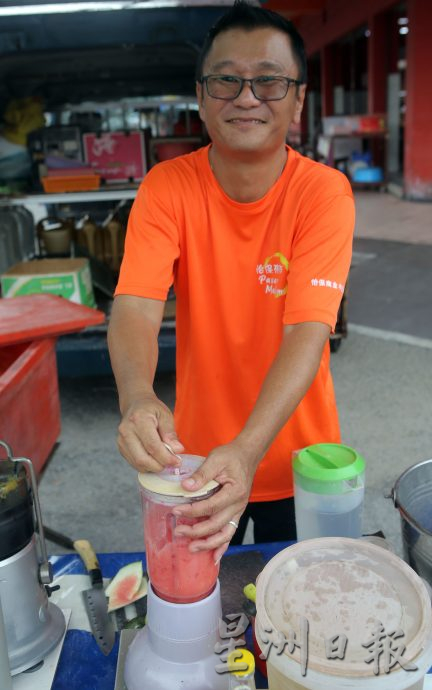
[392,494]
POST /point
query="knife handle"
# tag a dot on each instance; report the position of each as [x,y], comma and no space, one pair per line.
[89,558]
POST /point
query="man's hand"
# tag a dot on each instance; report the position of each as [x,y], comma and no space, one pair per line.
[146,425]
[146,422]
[234,468]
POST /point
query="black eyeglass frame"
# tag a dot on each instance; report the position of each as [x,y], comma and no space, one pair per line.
[241,82]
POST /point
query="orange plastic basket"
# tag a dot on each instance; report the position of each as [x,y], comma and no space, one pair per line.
[71,183]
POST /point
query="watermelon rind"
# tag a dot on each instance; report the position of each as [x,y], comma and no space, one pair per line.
[114,603]
[134,569]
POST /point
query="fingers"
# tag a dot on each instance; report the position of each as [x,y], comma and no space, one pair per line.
[220,539]
[213,525]
[135,454]
[171,438]
[230,498]
[219,553]
[199,478]
[139,438]
[218,542]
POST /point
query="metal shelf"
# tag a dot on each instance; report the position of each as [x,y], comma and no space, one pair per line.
[71,197]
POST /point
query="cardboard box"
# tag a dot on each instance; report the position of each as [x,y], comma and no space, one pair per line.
[69,278]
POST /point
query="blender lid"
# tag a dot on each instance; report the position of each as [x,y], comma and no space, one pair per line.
[168,482]
[342,587]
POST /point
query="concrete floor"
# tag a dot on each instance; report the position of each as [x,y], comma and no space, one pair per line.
[381,373]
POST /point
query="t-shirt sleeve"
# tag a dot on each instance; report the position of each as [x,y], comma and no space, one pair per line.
[152,241]
[320,259]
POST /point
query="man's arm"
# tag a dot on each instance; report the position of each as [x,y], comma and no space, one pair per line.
[286,383]
[234,464]
[146,420]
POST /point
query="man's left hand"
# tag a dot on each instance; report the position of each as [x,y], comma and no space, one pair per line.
[234,469]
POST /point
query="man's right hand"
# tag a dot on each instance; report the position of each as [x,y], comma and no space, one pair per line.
[147,423]
[146,426]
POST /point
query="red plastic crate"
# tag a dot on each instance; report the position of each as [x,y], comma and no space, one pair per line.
[29,399]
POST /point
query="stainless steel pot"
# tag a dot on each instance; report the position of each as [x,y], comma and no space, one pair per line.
[412,496]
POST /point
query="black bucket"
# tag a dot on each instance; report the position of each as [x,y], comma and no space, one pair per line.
[412,495]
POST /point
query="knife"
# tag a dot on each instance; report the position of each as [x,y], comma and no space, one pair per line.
[95,601]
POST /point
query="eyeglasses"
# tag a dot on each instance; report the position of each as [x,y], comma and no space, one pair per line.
[228,88]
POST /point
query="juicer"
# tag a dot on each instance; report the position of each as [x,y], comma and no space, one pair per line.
[176,650]
[33,625]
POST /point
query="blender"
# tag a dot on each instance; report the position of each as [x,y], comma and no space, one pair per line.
[33,626]
[176,648]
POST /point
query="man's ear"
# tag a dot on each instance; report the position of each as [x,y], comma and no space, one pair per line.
[300,96]
[200,99]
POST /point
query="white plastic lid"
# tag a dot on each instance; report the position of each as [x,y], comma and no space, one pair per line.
[342,587]
[168,482]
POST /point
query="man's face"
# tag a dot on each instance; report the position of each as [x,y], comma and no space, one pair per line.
[247,124]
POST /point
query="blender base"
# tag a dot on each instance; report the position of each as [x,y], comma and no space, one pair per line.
[176,649]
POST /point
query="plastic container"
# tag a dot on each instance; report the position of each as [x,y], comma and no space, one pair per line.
[371,175]
[70,183]
[29,399]
[343,587]
[62,142]
[329,491]
[241,679]
[176,574]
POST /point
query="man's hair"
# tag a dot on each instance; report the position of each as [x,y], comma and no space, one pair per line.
[242,15]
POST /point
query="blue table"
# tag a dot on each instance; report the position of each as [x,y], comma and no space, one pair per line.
[82,666]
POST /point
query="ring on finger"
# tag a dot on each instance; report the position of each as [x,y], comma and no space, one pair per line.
[233,523]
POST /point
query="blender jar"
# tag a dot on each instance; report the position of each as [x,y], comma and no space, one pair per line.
[176,574]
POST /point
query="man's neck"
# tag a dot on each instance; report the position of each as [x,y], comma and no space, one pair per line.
[248,178]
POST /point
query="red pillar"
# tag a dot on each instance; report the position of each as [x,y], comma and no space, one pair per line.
[418,130]
[377,63]
[337,58]
[327,73]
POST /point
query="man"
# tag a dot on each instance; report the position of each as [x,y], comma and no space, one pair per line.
[257,240]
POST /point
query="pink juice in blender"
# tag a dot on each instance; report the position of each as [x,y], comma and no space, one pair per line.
[176,574]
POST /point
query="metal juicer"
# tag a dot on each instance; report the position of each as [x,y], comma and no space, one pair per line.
[33,625]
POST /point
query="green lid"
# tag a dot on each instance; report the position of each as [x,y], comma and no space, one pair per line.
[329,462]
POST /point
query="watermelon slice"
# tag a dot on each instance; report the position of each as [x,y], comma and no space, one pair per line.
[126,582]
[117,599]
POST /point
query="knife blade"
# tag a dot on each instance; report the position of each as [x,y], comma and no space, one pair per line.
[95,601]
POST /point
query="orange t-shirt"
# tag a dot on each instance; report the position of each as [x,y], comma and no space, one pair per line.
[241,271]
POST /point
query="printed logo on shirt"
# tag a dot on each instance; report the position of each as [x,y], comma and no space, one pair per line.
[321,282]
[272,274]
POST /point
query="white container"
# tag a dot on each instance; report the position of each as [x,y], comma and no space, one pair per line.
[342,587]
[328,491]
